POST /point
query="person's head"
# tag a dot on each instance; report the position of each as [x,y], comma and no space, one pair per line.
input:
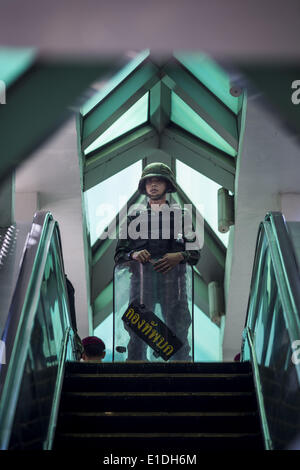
[94,349]
[157,179]
[156,187]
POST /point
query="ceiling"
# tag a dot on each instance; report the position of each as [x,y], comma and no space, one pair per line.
[231,29]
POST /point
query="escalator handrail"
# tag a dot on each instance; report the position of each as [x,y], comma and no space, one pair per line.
[31,249]
[275,230]
[22,320]
[23,310]
[48,443]
[259,393]
[290,271]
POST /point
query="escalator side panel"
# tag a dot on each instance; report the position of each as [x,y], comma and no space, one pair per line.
[12,242]
[39,338]
[294,232]
[273,323]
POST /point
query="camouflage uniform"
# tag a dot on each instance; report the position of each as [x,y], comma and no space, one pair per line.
[150,288]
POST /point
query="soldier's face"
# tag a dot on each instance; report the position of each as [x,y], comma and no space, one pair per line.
[156,187]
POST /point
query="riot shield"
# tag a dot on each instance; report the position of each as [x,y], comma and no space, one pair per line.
[153,313]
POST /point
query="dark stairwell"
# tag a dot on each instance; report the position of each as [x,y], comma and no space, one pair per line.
[199,406]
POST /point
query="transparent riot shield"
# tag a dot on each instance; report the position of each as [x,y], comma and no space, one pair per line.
[153,313]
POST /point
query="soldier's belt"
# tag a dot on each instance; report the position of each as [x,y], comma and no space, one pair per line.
[152,330]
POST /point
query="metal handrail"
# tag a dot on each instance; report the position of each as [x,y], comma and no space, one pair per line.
[259,394]
[57,392]
[286,261]
[24,308]
[282,254]
[25,311]
[274,231]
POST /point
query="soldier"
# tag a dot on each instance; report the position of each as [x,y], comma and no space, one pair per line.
[152,253]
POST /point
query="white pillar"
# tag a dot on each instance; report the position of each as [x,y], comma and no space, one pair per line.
[26,204]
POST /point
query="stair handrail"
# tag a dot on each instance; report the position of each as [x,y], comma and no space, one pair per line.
[274,230]
[31,253]
[286,268]
[48,443]
[247,334]
[290,271]
[22,314]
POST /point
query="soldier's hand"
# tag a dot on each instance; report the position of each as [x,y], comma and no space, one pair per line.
[142,256]
[168,262]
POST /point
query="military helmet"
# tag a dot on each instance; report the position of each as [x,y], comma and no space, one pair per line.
[160,170]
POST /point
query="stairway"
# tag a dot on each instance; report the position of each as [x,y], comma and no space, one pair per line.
[158,406]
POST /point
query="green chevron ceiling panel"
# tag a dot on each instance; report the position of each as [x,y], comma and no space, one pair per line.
[135,116]
[211,75]
[188,119]
[114,82]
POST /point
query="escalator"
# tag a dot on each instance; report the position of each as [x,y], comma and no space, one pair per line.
[272,330]
[36,332]
[157,405]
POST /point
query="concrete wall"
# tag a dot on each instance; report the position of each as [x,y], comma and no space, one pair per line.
[26,204]
[290,206]
[50,180]
[269,167]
